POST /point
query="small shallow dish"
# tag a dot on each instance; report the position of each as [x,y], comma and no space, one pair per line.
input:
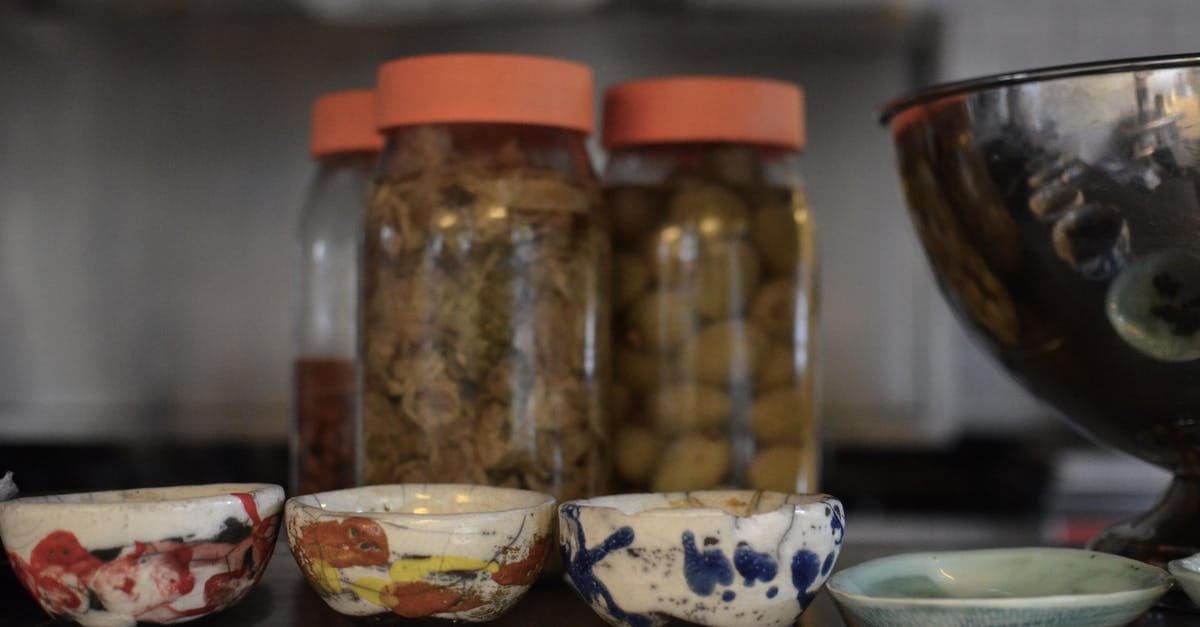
[1187,574]
[460,552]
[155,555]
[1020,586]
[730,558]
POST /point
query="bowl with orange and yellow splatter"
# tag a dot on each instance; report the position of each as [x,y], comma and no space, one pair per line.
[461,552]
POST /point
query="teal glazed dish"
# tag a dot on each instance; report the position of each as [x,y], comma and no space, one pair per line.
[1049,587]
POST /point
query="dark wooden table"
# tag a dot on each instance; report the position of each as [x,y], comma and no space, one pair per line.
[283,599]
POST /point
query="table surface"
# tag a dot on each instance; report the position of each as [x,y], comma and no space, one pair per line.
[284,599]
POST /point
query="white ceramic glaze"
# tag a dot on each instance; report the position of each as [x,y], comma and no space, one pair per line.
[1052,587]
[8,488]
[461,552]
[156,555]
[727,558]
[1187,574]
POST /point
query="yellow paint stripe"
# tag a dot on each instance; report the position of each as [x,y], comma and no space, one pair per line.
[409,570]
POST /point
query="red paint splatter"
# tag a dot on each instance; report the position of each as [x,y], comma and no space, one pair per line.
[525,571]
[417,599]
[61,548]
[250,506]
[354,542]
[24,572]
[54,596]
[146,578]
[264,533]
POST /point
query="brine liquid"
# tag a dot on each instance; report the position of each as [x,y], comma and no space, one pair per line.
[323,441]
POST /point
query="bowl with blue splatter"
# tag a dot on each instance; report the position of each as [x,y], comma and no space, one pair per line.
[723,557]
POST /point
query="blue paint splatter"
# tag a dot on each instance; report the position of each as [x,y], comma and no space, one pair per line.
[828,565]
[704,570]
[753,565]
[728,596]
[579,567]
[772,591]
[805,565]
[836,524]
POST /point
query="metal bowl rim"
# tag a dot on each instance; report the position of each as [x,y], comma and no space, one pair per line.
[1089,68]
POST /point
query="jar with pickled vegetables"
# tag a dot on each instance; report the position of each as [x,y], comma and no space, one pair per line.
[483,304]
[345,146]
[714,269]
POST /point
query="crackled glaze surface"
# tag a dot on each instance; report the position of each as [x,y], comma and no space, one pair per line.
[714,558]
[1027,586]
[445,551]
[160,555]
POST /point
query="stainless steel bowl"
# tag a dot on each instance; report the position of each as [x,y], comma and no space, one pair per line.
[1060,210]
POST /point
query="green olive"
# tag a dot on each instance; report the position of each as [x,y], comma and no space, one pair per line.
[776,468]
[774,309]
[777,237]
[660,320]
[780,416]
[692,462]
[684,407]
[724,353]
[636,452]
[710,210]
[726,276]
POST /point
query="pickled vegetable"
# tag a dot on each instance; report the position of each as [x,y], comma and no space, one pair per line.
[483,281]
[712,309]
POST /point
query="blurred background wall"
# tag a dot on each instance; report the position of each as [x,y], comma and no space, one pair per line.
[153,158]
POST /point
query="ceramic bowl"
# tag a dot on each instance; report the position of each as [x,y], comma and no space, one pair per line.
[155,555]
[1021,586]
[461,552]
[1187,574]
[713,558]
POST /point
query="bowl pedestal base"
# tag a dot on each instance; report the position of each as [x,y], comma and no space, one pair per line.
[1169,530]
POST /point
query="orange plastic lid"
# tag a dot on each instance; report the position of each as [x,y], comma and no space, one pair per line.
[498,88]
[344,121]
[704,109]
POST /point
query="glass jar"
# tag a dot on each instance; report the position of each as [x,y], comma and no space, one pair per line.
[484,297]
[714,269]
[345,146]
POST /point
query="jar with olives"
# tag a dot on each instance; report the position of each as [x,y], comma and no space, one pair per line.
[483,302]
[713,286]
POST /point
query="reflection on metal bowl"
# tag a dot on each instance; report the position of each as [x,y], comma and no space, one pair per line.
[1060,210]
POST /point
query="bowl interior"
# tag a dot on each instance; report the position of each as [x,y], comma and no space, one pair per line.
[1187,566]
[426,499]
[734,502]
[997,574]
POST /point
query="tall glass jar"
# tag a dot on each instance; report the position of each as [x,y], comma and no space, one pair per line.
[714,269]
[345,146]
[484,297]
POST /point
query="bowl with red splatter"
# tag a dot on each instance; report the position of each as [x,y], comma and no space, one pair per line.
[728,558]
[452,551]
[152,555]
